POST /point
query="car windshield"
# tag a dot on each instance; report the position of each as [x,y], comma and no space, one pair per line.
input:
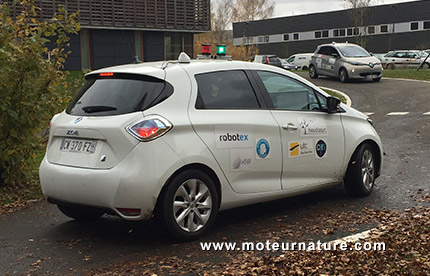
[353,51]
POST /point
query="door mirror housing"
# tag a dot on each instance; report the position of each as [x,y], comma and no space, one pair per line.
[333,104]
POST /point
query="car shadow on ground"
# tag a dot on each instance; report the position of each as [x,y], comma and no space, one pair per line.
[234,224]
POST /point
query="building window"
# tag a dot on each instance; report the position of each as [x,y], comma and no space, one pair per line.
[318,34]
[350,31]
[371,30]
[296,36]
[426,25]
[286,37]
[324,33]
[260,39]
[335,33]
[414,26]
[342,32]
[384,28]
[266,39]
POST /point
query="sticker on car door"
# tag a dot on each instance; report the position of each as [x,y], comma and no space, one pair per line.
[312,127]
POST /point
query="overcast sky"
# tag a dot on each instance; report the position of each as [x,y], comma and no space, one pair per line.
[297,7]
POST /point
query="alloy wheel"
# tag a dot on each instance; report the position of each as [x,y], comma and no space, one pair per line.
[367,169]
[192,205]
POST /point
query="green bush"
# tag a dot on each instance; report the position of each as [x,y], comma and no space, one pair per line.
[30,78]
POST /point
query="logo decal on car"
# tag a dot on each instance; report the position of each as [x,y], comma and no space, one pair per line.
[263,148]
[241,160]
[77,120]
[312,127]
[371,65]
[321,149]
[233,138]
[300,148]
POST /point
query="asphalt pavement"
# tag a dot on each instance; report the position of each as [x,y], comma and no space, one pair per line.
[41,241]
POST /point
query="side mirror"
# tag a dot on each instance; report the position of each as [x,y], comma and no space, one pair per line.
[332,104]
[371,54]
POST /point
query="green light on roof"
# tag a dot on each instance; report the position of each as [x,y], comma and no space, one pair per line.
[220,50]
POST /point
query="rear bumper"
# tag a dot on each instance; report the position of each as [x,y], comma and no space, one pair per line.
[134,183]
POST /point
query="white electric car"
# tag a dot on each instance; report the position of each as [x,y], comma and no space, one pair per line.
[185,139]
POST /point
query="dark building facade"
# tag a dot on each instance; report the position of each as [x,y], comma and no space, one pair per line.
[386,27]
[115,31]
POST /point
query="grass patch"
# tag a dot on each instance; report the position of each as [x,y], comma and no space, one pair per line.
[335,94]
[412,74]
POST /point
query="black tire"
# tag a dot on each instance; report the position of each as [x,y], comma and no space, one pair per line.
[361,174]
[377,79]
[80,213]
[313,72]
[426,66]
[305,68]
[193,225]
[390,66]
[343,75]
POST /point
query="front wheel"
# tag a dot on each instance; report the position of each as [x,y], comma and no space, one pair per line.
[189,205]
[343,75]
[360,176]
[426,66]
[313,72]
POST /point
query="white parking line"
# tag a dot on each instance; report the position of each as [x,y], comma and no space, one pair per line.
[427,113]
[397,113]
[355,237]
[368,113]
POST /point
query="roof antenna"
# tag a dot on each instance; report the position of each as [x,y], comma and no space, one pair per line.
[137,60]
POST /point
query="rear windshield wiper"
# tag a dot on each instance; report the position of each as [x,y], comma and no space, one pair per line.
[98,108]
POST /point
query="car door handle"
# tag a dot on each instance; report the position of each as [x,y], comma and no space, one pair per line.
[290,127]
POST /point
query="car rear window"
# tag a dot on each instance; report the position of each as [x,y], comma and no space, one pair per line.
[118,94]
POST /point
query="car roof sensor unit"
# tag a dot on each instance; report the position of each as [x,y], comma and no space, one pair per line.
[184,58]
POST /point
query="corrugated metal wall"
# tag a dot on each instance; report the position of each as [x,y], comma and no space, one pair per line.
[190,15]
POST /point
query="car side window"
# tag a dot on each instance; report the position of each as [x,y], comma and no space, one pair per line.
[333,51]
[289,94]
[225,90]
[323,50]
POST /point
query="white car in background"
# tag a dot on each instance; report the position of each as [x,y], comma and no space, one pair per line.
[184,139]
[405,59]
[302,61]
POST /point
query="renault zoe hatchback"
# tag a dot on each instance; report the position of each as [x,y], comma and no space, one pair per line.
[184,139]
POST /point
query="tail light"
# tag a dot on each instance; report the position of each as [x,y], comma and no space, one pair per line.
[267,60]
[150,128]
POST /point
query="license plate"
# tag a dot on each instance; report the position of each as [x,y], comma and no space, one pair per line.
[371,76]
[78,145]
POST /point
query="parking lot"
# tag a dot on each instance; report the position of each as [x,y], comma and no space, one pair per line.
[41,240]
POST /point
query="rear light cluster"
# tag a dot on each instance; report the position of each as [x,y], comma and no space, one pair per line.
[150,128]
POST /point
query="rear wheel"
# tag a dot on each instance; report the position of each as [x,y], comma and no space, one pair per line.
[426,66]
[361,173]
[313,72]
[189,205]
[343,75]
[80,213]
[304,68]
